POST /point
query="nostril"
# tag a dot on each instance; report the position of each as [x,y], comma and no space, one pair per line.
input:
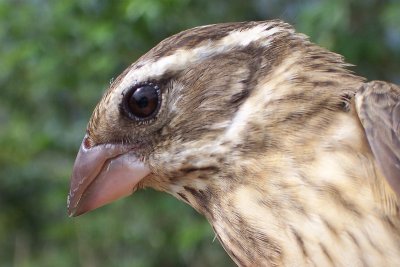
[87,143]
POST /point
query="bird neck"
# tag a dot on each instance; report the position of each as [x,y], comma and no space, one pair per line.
[295,206]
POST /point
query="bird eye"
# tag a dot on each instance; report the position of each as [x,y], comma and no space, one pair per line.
[143,101]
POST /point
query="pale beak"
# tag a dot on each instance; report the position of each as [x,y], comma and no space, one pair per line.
[102,174]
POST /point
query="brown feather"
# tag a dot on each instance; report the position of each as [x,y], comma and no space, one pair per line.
[257,132]
[378,106]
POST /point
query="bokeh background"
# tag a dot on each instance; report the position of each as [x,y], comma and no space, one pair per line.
[56,59]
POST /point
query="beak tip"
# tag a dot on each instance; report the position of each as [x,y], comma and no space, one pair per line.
[74,212]
[71,212]
[71,209]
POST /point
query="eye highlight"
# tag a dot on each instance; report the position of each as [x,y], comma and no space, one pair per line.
[142,101]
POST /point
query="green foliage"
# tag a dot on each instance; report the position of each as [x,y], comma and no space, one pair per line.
[57,57]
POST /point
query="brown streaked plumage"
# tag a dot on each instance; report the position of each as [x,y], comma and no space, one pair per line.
[266,134]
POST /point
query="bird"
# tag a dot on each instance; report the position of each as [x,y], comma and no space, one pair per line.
[293,158]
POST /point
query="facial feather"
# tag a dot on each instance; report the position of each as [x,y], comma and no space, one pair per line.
[256,131]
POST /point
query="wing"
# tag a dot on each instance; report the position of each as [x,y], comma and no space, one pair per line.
[378,107]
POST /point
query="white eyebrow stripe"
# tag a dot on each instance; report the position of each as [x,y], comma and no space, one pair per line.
[185,57]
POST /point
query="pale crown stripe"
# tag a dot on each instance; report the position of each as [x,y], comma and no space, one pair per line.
[183,58]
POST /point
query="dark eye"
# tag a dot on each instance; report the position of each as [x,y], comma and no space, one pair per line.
[143,101]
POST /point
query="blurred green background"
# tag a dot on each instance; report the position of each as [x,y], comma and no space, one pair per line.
[56,59]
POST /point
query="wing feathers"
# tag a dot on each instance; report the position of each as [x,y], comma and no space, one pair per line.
[378,107]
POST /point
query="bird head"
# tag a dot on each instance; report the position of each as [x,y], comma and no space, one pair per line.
[196,112]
